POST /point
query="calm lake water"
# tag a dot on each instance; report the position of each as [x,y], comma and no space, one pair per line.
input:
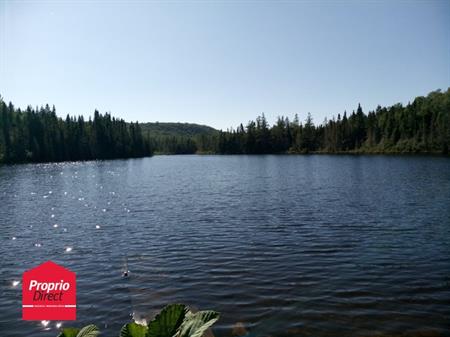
[285,245]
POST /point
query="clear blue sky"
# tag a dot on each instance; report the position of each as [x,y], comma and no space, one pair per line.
[221,63]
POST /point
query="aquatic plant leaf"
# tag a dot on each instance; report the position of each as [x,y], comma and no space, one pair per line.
[133,330]
[196,324]
[88,331]
[167,322]
[69,332]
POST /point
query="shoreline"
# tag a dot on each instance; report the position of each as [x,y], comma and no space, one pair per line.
[321,153]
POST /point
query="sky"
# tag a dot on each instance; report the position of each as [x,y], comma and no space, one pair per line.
[221,63]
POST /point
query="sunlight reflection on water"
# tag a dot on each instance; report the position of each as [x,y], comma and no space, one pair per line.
[280,245]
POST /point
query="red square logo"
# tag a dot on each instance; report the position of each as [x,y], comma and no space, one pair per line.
[49,293]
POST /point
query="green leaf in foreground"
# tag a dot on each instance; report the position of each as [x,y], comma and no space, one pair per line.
[167,322]
[69,332]
[196,324]
[88,331]
[133,330]
[174,320]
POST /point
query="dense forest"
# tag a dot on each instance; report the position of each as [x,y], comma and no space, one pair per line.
[158,129]
[38,135]
[422,126]
[177,138]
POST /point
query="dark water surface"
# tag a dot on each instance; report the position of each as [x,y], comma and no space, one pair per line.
[286,245]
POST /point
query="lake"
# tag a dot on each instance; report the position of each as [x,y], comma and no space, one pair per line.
[280,245]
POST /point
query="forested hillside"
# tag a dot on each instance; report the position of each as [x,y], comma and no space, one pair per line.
[159,129]
[177,138]
[38,135]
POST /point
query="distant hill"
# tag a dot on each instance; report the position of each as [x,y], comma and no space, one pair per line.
[158,129]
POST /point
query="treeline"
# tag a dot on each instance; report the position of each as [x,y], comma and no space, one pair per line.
[38,135]
[422,126]
[174,144]
[178,138]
